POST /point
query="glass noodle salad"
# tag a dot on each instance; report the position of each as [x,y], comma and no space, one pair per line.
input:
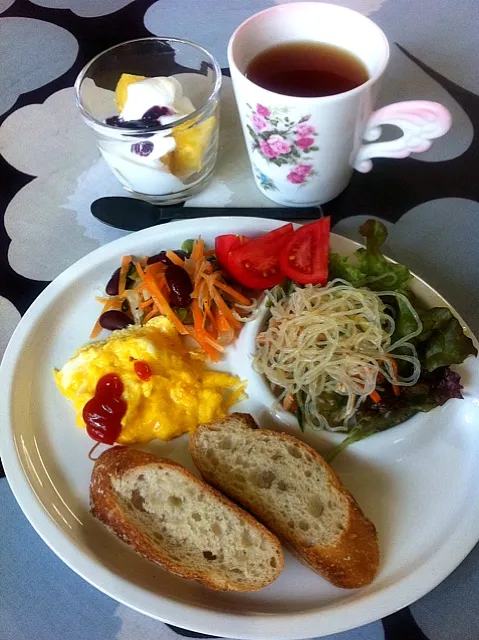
[359,355]
[333,339]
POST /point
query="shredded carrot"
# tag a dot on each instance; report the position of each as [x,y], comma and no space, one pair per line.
[226,332]
[163,304]
[198,249]
[375,397]
[175,259]
[104,300]
[156,267]
[213,321]
[140,271]
[211,331]
[163,285]
[214,344]
[203,294]
[146,303]
[125,263]
[232,292]
[209,315]
[150,315]
[221,322]
[198,287]
[210,280]
[199,274]
[109,304]
[394,366]
[197,319]
[206,342]
[226,311]
[96,330]
[201,338]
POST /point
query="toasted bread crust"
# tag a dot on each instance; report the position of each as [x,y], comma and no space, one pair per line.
[104,505]
[352,561]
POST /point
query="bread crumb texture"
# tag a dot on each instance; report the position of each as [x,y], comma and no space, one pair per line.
[196,531]
[286,480]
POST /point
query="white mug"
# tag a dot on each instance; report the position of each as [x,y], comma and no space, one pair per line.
[303,150]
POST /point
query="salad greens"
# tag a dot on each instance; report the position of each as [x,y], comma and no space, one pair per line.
[372,269]
[446,345]
[381,273]
[441,343]
[300,409]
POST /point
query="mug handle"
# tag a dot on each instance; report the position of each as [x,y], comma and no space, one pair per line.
[421,122]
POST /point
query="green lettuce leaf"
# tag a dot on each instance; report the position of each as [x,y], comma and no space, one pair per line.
[368,266]
[431,390]
[432,320]
[442,341]
[447,345]
[341,267]
[406,322]
[381,274]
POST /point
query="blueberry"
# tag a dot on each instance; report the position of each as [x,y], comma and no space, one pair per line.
[116,121]
[156,112]
[133,124]
[143,148]
[150,119]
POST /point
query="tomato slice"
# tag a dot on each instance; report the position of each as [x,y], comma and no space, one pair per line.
[256,263]
[304,258]
[225,244]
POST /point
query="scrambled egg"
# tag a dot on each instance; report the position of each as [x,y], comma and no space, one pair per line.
[180,394]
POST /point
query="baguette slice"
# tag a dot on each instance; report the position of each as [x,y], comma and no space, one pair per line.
[176,520]
[294,492]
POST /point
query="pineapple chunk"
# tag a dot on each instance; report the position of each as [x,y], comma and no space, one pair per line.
[121,91]
[191,144]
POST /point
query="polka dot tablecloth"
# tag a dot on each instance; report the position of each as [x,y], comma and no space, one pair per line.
[51,171]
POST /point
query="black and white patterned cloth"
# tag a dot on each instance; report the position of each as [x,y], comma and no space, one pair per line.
[51,171]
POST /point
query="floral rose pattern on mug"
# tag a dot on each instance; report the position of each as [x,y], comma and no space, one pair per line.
[282,141]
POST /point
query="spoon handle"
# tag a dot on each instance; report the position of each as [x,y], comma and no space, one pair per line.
[131,214]
[281,213]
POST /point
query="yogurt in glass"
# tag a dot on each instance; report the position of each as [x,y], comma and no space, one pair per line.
[142,166]
[158,133]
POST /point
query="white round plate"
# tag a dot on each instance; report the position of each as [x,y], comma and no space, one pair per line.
[418,482]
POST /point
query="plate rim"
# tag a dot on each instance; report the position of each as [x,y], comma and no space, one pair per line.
[254,626]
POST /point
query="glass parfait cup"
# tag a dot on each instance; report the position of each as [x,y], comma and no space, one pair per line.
[164,160]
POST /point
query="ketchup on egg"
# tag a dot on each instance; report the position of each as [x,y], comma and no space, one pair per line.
[142,370]
[103,413]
